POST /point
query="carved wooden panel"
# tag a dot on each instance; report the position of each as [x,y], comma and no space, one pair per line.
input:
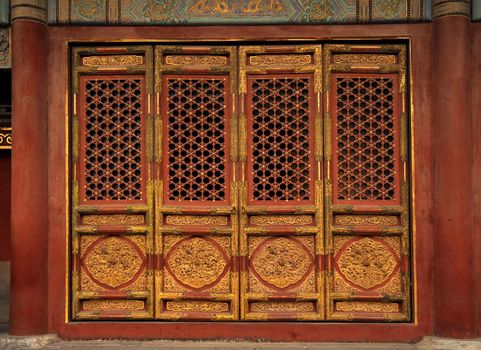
[112,223]
[196,218]
[281,219]
[251,183]
[366,188]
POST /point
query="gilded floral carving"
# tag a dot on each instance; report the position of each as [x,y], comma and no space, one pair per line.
[180,220]
[226,8]
[206,60]
[281,262]
[113,60]
[264,60]
[89,305]
[366,262]
[358,306]
[118,219]
[197,306]
[282,306]
[197,262]
[364,58]
[264,220]
[387,220]
[113,261]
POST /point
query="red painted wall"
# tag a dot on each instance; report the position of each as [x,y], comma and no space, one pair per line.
[5,167]
[421,58]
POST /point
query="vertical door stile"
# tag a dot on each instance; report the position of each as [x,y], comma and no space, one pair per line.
[112,219]
[281,216]
[197,225]
[367,223]
[158,181]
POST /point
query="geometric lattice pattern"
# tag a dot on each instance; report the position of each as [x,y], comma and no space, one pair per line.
[280,139]
[196,139]
[113,139]
[365,139]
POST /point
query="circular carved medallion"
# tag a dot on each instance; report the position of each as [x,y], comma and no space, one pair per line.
[197,262]
[366,262]
[113,262]
[281,262]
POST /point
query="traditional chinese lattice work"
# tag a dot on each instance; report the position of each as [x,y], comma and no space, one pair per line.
[197,137]
[365,139]
[113,139]
[280,139]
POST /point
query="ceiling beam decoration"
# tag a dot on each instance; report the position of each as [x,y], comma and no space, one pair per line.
[171,12]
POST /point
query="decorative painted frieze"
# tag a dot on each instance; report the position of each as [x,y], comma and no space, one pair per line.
[237,11]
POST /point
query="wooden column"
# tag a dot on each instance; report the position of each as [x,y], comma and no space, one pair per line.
[476,119]
[453,234]
[29,240]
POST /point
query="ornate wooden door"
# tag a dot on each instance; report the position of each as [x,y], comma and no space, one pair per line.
[281,210]
[367,196]
[196,209]
[112,192]
[240,183]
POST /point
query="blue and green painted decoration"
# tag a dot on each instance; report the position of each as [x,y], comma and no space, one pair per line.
[237,11]
[168,12]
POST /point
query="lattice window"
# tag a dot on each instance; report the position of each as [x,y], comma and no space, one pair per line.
[280,139]
[365,138]
[113,139]
[197,138]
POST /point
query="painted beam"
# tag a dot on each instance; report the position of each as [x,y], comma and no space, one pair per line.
[168,12]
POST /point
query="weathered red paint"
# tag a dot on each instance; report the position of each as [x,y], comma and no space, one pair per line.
[28,303]
[453,275]
[476,175]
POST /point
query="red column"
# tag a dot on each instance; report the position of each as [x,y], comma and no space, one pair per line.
[453,227]
[476,118]
[28,303]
